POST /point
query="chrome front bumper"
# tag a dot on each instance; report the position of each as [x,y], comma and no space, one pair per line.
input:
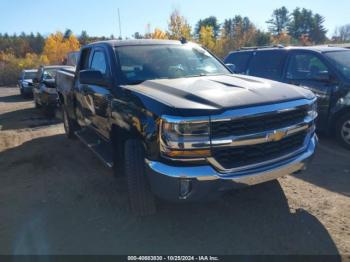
[247,177]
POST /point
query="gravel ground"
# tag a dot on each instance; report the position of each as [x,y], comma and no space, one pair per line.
[57,198]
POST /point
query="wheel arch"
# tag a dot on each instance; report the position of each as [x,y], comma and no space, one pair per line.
[339,114]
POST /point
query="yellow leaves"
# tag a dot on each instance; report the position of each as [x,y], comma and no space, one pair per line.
[56,47]
[13,65]
[206,37]
[283,38]
[159,34]
[178,26]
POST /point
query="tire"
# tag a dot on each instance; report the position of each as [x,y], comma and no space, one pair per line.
[342,130]
[141,199]
[70,126]
[118,161]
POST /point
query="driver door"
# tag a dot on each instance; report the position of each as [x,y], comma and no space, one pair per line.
[308,70]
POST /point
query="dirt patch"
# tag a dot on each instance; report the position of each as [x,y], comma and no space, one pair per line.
[57,198]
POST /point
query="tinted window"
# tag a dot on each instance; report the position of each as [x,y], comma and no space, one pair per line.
[29,75]
[305,66]
[267,64]
[84,60]
[98,62]
[240,60]
[341,60]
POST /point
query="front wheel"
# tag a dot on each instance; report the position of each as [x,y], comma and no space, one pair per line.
[343,131]
[141,199]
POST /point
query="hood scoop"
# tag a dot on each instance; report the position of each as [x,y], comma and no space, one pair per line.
[226,84]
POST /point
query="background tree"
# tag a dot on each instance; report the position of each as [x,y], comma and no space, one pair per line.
[137,35]
[178,26]
[301,23]
[83,38]
[279,21]
[342,34]
[262,38]
[209,21]
[67,33]
[207,37]
[159,34]
[281,39]
[56,47]
[318,31]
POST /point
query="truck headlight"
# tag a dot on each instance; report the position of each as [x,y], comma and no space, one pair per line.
[312,110]
[184,139]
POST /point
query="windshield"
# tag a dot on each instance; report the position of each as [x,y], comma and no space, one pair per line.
[341,60]
[29,75]
[140,63]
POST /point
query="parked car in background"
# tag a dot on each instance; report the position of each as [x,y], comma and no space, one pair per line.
[25,82]
[44,90]
[322,69]
[175,121]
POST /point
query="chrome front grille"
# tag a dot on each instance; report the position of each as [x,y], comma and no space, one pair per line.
[256,124]
[253,137]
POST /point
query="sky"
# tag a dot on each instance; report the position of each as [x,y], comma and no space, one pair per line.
[99,18]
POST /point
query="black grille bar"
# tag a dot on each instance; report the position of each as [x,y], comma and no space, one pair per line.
[233,157]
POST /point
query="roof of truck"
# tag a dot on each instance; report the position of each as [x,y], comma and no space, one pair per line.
[116,43]
[319,48]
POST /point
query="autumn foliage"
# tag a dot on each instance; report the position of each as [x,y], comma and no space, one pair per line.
[54,51]
[57,47]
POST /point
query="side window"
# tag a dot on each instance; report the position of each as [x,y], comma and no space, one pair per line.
[84,61]
[98,62]
[267,64]
[240,60]
[306,66]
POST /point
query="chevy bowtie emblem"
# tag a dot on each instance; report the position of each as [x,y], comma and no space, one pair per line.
[277,135]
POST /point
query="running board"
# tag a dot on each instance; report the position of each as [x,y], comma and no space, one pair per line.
[100,147]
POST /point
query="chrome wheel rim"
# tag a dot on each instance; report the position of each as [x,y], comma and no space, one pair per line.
[345,132]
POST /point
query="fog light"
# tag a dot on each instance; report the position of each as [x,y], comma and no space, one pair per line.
[185,188]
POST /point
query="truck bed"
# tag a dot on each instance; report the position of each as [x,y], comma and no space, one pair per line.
[65,80]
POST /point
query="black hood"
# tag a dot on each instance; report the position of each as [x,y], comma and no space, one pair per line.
[218,92]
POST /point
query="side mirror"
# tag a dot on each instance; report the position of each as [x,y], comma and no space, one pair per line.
[49,83]
[232,67]
[92,77]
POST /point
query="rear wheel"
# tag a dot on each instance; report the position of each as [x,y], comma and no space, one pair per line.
[142,201]
[70,126]
[343,131]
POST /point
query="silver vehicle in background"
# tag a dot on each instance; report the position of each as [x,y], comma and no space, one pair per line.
[25,82]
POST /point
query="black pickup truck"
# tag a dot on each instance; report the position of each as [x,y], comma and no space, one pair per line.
[173,119]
